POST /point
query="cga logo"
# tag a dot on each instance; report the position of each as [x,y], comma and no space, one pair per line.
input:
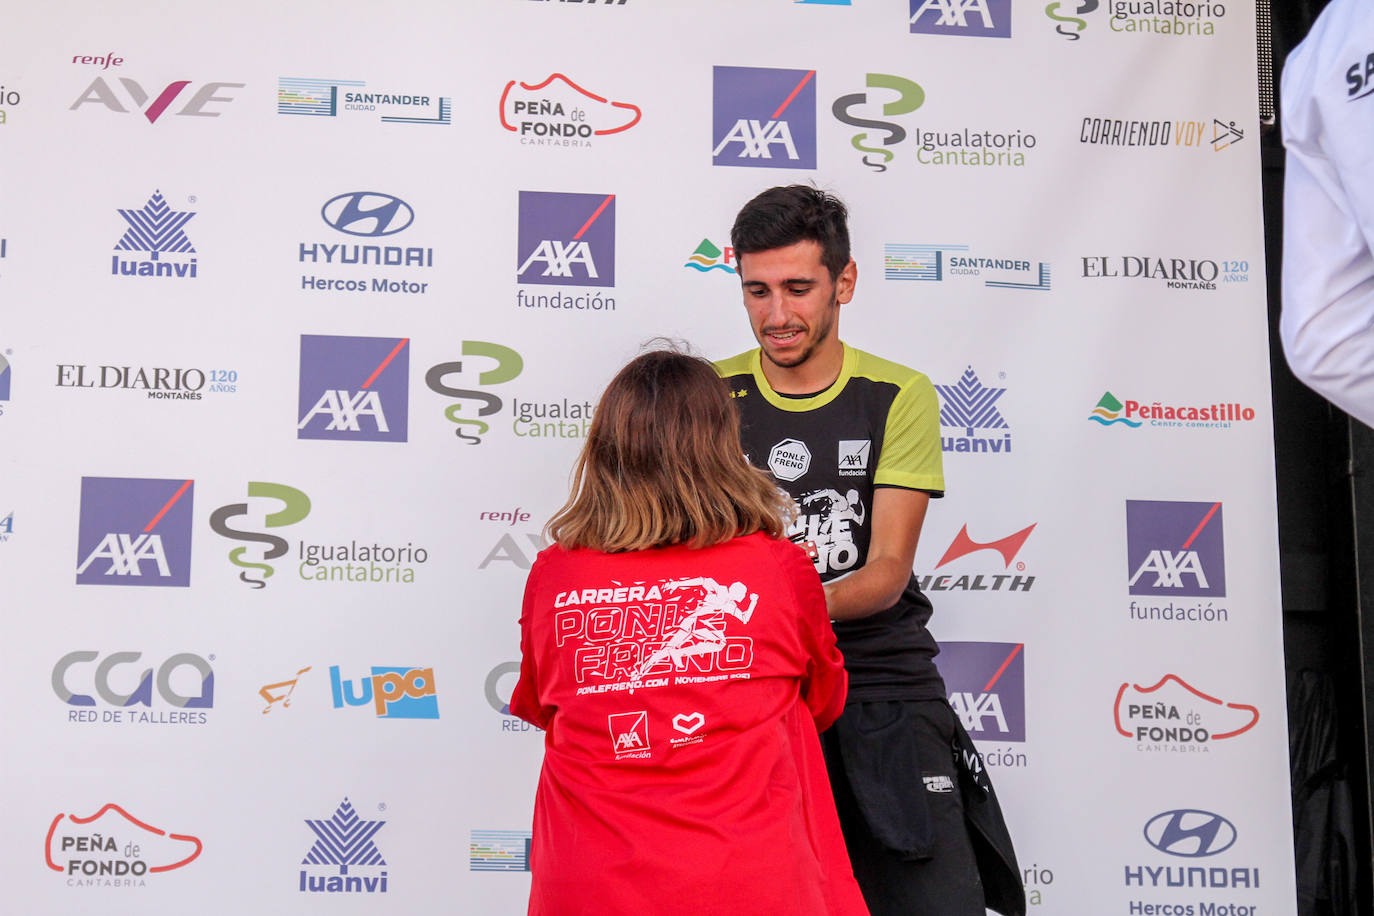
[100,92]
[202,682]
[395,693]
[295,506]
[987,687]
[134,531]
[566,239]
[344,840]
[973,406]
[1175,548]
[112,848]
[367,213]
[1190,832]
[910,97]
[789,459]
[156,229]
[508,366]
[981,18]
[763,118]
[354,388]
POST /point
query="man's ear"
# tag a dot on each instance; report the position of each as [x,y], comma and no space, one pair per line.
[844,283]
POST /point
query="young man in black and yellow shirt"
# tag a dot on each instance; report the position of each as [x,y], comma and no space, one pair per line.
[856,440]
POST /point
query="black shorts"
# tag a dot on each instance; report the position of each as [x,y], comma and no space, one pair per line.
[897,794]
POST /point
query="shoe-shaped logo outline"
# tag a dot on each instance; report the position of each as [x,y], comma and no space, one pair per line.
[52,829]
[1244,707]
[535,87]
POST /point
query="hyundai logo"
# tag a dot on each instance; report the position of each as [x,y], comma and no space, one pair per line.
[1190,833]
[367,213]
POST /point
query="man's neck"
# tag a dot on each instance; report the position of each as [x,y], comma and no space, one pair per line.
[818,373]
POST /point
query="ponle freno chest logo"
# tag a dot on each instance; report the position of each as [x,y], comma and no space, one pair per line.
[354,388]
[559,113]
[112,848]
[131,97]
[294,506]
[789,459]
[970,405]
[344,841]
[159,230]
[439,378]
[185,682]
[134,531]
[763,118]
[366,215]
[977,18]
[328,98]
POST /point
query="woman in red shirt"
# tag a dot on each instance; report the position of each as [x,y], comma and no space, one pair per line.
[677,653]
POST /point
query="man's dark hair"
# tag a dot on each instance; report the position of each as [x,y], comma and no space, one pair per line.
[786,215]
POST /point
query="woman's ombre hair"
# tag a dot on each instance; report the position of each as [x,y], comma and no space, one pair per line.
[663,465]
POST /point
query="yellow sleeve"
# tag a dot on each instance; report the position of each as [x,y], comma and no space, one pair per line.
[911,455]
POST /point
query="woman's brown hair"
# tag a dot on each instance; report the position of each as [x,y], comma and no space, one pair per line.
[663,465]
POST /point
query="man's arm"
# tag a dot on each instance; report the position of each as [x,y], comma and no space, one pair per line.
[896,527]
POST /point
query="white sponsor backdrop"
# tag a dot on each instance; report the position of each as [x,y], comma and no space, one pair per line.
[270,161]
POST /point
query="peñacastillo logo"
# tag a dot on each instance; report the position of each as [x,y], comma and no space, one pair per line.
[344,841]
[159,230]
[709,256]
[1111,411]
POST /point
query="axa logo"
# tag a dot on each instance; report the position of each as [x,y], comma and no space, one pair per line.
[979,18]
[1190,832]
[709,256]
[132,96]
[986,683]
[292,506]
[136,690]
[367,213]
[112,843]
[394,693]
[896,96]
[558,111]
[763,118]
[134,531]
[499,850]
[157,229]
[354,388]
[970,405]
[629,733]
[1071,26]
[1175,548]
[566,239]
[508,365]
[344,841]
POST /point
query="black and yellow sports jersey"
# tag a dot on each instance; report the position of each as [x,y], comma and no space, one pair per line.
[876,426]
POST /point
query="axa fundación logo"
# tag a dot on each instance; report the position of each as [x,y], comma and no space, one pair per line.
[977,18]
[1172,715]
[176,691]
[1175,550]
[557,112]
[113,848]
[134,531]
[500,850]
[344,841]
[391,692]
[709,256]
[566,240]
[367,219]
[291,506]
[1068,16]
[986,684]
[328,98]
[1174,273]
[472,404]
[354,389]
[1178,133]
[970,405]
[936,263]
[763,118]
[895,96]
[1110,411]
[9,100]
[1359,77]
[1196,836]
[159,230]
[629,734]
[1162,17]
[964,545]
[203,100]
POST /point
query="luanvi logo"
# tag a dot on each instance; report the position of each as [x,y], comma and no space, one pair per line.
[972,406]
[134,531]
[508,366]
[112,848]
[763,118]
[157,229]
[294,506]
[342,842]
[133,95]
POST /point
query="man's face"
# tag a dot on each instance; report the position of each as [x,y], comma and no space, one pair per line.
[792,302]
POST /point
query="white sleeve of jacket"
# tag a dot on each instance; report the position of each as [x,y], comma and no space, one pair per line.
[1327,100]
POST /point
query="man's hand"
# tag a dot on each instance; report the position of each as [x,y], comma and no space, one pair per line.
[897,516]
